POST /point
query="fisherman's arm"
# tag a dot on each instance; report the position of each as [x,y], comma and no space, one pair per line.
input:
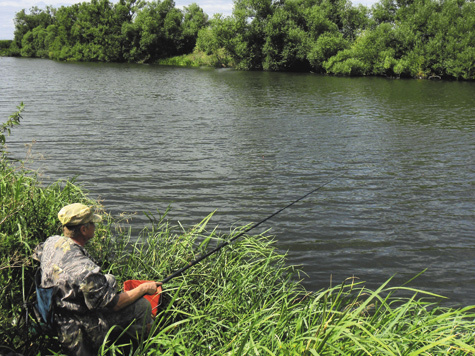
[129,297]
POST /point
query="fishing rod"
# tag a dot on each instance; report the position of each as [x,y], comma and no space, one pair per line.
[225,243]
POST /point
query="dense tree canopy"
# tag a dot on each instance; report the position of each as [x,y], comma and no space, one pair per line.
[130,30]
[396,38]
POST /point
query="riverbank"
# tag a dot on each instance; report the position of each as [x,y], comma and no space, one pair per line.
[419,39]
[243,300]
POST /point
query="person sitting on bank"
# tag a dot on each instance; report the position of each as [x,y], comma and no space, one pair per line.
[86,301]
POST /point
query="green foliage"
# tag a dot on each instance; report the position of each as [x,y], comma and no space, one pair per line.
[194,20]
[245,300]
[28,216]
[217,40]
[247,26]
[13,120]
[287,39]
[198,59]
[326,46]
[417,38]
[5,44]
[384,11]
[457,39]
[158,29]
[371,53]
[102,31]
[5,47]
[25,23]
[345,63]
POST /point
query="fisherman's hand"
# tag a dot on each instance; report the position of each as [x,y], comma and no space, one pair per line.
[150,287]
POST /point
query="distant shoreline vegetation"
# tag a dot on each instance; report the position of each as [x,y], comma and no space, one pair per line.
[431,39]
[5,47]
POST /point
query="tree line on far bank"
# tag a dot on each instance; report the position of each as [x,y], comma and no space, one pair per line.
[395,38]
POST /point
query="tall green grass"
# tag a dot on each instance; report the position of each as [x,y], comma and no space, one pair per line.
[244,300]
[28,215]
[200,59]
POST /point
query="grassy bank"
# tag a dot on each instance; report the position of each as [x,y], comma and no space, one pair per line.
[243,300]
[200,59]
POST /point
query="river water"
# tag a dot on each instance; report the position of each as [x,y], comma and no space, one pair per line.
[398,157]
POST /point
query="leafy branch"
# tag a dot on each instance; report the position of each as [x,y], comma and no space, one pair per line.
[13,119]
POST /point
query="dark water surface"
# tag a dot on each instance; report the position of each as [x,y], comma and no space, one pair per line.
[144,137]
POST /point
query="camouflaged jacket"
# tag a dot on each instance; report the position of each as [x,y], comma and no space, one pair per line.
[80,286]
[84,298]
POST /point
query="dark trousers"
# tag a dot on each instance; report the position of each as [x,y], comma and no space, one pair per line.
[83,335]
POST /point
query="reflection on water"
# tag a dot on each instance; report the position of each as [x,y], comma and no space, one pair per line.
[143,137]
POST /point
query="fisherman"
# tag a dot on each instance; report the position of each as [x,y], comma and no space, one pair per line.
[86,301]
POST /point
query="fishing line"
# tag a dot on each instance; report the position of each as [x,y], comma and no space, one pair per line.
[225,243]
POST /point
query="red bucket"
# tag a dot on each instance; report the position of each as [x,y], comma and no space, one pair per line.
[154,299]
